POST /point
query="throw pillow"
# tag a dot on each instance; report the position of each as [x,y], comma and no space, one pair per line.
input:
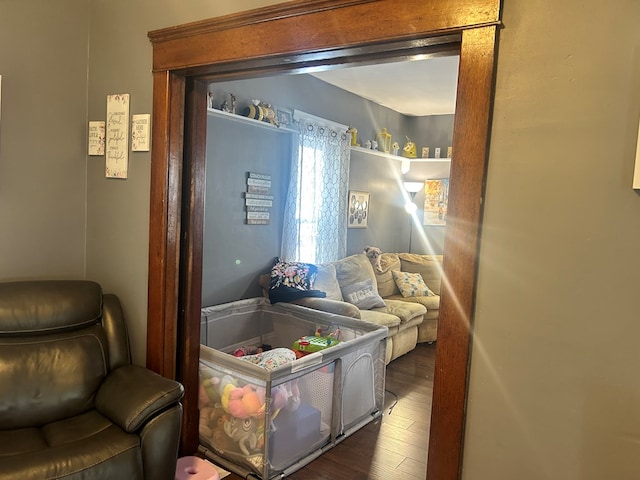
[411,284]
[327,282]
[363,295]
[293,274]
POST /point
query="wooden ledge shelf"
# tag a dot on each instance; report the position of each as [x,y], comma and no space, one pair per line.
[212,112]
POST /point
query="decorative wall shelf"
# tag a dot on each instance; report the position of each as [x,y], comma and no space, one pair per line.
[376,153]
[212,112]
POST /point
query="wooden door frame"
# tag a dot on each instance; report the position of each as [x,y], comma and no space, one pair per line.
[295,36]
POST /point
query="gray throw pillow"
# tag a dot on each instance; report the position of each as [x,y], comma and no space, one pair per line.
[363,295]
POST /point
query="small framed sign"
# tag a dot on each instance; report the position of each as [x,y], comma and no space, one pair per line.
[358,211]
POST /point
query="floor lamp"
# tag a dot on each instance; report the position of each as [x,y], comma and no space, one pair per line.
[410,207]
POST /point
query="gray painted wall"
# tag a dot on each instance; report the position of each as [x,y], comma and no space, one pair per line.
[118,210]
[560,217]
[43,138]
[234,254]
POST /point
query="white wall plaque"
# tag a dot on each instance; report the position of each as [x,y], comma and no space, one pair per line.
[96,138]
[117,136]
[140,132]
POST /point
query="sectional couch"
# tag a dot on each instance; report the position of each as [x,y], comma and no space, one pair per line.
[354,289]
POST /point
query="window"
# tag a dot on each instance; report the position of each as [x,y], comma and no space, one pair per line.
[315,227]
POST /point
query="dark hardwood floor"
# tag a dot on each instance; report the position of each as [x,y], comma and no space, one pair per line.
[393,446]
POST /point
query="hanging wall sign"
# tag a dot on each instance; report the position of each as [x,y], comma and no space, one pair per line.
[257,199]
[117,136]
[96,138]
[140,132]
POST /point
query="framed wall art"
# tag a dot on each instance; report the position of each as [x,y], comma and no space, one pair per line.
[284,116]
[436,201]
[358,210]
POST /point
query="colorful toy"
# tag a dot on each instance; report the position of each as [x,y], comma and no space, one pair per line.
[245,402]
[317,342]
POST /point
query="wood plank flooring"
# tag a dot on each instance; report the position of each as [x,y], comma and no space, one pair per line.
[393,446]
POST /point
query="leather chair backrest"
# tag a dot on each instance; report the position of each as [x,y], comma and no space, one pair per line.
[54,349]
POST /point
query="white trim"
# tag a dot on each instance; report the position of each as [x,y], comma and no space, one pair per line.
[300,115]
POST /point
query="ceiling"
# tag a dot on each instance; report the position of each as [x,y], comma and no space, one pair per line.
[414,88]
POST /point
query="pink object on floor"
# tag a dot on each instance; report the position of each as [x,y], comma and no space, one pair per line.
[195,468]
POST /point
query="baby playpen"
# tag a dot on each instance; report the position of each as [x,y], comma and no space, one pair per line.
[280,384]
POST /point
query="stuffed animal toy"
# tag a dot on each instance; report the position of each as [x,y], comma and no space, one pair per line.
[244,432]
[373,253]
[247,401]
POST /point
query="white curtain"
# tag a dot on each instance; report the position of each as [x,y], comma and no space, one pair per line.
[315,219]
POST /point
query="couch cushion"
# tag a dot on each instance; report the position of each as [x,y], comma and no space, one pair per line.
[380,318]
[386,285]
[411,284]
[431,303]
[429,266]
[405,311]
[327,281]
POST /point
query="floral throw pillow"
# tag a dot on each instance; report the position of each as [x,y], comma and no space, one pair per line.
[293,274]
[411,284]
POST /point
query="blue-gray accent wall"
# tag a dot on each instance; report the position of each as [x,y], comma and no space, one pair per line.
[235,254]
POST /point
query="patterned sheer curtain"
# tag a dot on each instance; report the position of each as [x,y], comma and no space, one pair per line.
[315,218]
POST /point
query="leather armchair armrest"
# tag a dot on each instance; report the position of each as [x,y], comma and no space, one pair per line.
[131,395]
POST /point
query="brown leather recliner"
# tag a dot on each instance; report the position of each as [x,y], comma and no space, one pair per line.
[71,403]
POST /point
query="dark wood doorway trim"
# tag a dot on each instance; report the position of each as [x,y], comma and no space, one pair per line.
[295,36]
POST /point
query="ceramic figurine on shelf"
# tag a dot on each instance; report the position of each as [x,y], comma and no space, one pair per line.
[254,110]
[233,102]
[269,114]
[354,136]
[210,100]
[374,145]
[367,144]
[410,150]
[395,147]
[225,107]
[384,140]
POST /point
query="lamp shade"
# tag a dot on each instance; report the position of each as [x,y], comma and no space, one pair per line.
[413,187]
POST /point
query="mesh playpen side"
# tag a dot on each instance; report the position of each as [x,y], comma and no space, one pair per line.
[269,421]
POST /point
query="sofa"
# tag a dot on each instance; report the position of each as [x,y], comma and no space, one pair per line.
[351,283]
[430,269]
[72,405]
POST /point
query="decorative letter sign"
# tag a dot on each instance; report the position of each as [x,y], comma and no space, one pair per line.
[96,138]
[117,148]
[140,132]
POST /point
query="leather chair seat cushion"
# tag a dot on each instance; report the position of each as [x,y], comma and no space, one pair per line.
[68,447]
